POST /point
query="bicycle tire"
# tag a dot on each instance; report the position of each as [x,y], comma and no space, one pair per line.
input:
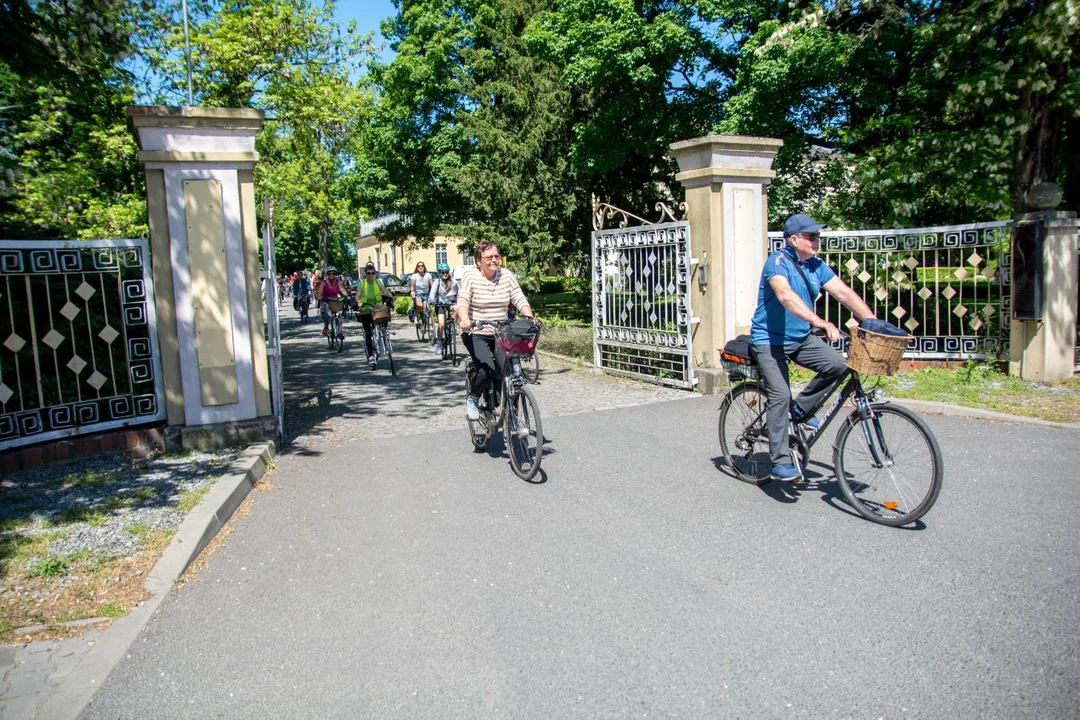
[452,341]
[889,493]
[530,368]
[744,433]
[523,432]
[478,434]
[330,336]
[389,350]
[339,333]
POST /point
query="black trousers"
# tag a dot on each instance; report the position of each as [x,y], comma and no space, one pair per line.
[488,368]
[369,326]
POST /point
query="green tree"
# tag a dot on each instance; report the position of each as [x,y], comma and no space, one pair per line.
[68,161]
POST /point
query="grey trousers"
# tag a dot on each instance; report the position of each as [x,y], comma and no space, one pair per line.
[813,353]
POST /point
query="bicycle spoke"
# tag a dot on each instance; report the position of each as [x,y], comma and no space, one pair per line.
[893,488]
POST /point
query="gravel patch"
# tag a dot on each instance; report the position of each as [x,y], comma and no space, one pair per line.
[102,506]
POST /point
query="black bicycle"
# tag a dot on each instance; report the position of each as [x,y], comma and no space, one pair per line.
[303,305]
[510,405]
[886,459]
[449,334]
[335,335]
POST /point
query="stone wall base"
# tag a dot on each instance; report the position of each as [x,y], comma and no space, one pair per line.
[221,435]
[139,442]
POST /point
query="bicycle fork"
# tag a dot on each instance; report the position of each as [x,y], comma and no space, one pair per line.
[873,435]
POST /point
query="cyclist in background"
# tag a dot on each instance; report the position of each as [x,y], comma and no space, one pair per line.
[301,290]
[370,291]
[419,287]
[328,289]
[443,294]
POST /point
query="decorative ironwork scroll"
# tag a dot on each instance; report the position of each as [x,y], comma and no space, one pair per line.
[641,300]
[78,339]
[602,212]
[947,286]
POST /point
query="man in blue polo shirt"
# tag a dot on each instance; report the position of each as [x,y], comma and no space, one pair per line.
[781,330]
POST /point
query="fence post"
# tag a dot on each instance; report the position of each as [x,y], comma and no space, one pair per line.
[1042,334]
[725,177]
[205,250]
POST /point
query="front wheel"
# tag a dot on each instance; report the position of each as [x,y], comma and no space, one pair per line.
[523,433]
[339,333]
[889,465]
[389,350]
[744,433]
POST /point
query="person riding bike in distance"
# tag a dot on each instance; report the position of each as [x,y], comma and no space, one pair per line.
[301,289]
[444,292]
[485,293]
[370,291]
[419,286]
[791,281]
[329,289]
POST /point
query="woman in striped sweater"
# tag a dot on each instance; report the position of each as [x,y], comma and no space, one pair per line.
[484,294]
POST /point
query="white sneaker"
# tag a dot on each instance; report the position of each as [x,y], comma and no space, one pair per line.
[472,410]
[438,347]
[371,362]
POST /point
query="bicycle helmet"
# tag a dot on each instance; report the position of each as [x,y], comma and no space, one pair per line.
[443,267]
[331,269]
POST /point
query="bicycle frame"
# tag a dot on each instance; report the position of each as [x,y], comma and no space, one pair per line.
[852,388]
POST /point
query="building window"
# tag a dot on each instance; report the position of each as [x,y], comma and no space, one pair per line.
[467,258]
[440,254]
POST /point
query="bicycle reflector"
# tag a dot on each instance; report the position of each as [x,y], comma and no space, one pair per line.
[891,504]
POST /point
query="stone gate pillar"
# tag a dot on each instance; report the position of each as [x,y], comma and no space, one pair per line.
[1042,333]
[725,177]
[205,249]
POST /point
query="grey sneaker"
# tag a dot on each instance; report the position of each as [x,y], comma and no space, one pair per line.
[438,347]
[472,410]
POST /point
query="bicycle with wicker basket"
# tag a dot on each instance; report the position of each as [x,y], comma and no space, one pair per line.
[887,460]
[509,403]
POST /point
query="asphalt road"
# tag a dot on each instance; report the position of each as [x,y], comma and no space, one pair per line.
[408,576]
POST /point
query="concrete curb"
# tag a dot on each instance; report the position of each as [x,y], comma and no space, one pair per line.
[939,408]
[194,534]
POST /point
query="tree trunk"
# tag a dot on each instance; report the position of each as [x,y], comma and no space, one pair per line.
[1070,158]
[322,246]
[1037,148]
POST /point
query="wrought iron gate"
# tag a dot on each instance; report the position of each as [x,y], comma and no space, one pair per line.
[78,339]
[642,319]
[273,320]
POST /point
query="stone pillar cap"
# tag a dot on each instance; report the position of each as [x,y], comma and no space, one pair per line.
[194,117]
[727,155]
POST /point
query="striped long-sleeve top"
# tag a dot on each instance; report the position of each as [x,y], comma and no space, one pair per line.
[485,299]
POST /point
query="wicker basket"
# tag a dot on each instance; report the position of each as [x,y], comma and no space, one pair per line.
[872,353]
[381,314]
[335,305]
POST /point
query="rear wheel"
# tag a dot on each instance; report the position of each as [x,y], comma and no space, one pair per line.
[889,465]
[530,368]
[523,433]
[744,433]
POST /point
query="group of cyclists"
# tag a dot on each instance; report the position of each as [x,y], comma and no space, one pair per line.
[781,328]
[486,292]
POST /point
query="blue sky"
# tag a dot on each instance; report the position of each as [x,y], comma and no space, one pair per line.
[367,14]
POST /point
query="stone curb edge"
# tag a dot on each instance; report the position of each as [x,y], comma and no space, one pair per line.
[193,535]
[940,408]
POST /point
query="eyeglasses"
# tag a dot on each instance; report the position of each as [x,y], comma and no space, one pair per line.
[489,258]
[369,272]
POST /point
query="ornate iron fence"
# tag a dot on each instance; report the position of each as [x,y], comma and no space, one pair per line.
[641,300]
[947,286]
[78,339]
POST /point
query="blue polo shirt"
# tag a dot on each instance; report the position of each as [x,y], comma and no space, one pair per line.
[772,323]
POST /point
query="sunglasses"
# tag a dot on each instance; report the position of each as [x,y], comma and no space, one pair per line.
[369,272]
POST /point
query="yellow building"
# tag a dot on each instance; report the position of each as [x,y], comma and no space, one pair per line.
[403,259]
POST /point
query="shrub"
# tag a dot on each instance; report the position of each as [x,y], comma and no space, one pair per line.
[574,341]
[403,304]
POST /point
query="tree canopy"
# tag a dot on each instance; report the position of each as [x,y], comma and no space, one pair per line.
[497,119]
